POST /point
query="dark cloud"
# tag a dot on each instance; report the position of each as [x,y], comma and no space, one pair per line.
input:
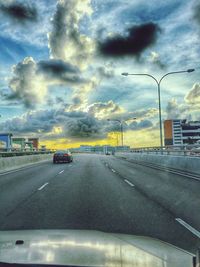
[31,79]
[138,39]
[60,70]
[19,11]
[56,67]
[74,124]
[86,126]
[115,126]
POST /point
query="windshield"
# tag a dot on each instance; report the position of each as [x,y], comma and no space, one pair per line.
[114,86]
[62,151]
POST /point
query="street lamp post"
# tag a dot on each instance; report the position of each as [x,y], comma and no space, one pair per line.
[122,133]
[158,82]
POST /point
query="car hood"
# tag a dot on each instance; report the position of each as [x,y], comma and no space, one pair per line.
[88,248]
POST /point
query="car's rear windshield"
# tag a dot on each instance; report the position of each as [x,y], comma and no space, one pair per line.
[62,151]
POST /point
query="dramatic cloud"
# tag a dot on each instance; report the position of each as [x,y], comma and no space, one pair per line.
[26,84]
[104,110]
[114,126]
[43,122]
[31,79]
[193,96]
[65,40]
[86,126]
[137,39]
[59,70]
[80,97]
[19,11]
[60,123]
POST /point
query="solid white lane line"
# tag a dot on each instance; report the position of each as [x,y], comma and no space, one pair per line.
[189,227]
[128,182]
[43,186]
[113,170]
[61,171]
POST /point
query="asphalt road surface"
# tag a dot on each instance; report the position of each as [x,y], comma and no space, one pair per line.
[105,193]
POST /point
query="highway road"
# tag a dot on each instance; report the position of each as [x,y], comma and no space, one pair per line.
[105,193]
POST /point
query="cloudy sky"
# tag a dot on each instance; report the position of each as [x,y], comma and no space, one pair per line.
[61,64]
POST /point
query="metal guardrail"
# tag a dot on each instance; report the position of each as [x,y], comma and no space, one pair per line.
[182,150]
[23,153]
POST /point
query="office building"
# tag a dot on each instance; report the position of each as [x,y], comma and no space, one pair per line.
[180,132]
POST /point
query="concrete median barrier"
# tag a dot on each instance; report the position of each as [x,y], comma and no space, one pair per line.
[12,163]
[183,163]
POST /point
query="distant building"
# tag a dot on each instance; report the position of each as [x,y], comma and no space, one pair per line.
[6,141]
[35,142]
[29,146]
[181,132]
[85,148]
[122,148]
[18,143]
[100,149]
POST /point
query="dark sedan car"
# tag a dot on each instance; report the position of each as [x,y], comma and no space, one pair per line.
[62,156]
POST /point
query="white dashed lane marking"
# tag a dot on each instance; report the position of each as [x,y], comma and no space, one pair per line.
[128,182]
[43,186]
[189,227]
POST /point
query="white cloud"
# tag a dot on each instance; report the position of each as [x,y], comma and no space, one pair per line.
[66,42]
[31,79]
[26,84]
[104,110]
[193,96]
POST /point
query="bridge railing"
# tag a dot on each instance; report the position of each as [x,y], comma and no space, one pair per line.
[182,150]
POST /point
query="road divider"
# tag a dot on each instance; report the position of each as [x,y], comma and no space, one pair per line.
[11,163]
